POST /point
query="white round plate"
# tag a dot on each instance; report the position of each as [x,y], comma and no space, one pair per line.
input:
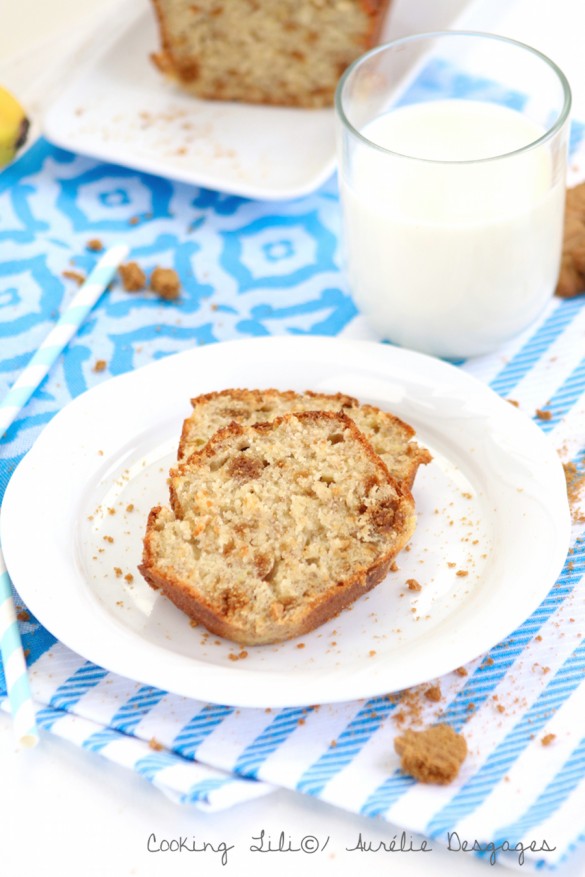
[492,534]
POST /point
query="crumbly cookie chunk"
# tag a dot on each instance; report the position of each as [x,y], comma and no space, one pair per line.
[433,755]
[165,282]
[571,280]
[132,276]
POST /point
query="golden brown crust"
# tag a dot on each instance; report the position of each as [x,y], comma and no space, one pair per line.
[201,611]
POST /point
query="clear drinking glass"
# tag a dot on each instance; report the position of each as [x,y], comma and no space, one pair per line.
[452,152]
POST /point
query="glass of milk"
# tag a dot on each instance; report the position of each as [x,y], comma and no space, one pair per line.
[452,154]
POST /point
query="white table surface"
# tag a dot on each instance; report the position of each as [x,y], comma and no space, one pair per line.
[69,813]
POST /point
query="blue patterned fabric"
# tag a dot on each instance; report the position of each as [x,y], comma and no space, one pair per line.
[250,269]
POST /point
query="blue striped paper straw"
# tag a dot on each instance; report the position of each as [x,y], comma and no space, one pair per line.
[13,660]
[60,336]
[14,665]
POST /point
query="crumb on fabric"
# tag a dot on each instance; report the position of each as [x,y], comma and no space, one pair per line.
[543,414]
[100,365]
[132,276]
[548,739]
[433,693]
[433,755]
[74,275]
[165,282]
[95,245]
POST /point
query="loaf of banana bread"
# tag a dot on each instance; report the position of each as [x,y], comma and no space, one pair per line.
[286,52]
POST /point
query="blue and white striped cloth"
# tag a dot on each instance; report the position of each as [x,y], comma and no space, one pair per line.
[252,269]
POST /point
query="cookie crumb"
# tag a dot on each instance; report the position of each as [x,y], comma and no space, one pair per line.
[548,739]
[165,282]
[74,275]
[433,693]
[413,585]
[95,245]
[132,276]
[154,744]
[433,755]
[461,573]
[461,671]
[543,415]
[23,615]
[129,578]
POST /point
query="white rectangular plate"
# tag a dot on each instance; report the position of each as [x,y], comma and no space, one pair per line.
[119,108]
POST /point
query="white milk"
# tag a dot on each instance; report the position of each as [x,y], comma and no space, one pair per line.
[449,258]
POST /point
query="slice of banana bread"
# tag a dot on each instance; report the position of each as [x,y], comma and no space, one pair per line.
[287,52]
[277,527]
[390,437]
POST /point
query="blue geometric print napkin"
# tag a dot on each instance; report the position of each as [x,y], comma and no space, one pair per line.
[251,269]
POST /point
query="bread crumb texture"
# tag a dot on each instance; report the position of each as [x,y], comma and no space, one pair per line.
[433,755]
[264,51]
[276,527]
